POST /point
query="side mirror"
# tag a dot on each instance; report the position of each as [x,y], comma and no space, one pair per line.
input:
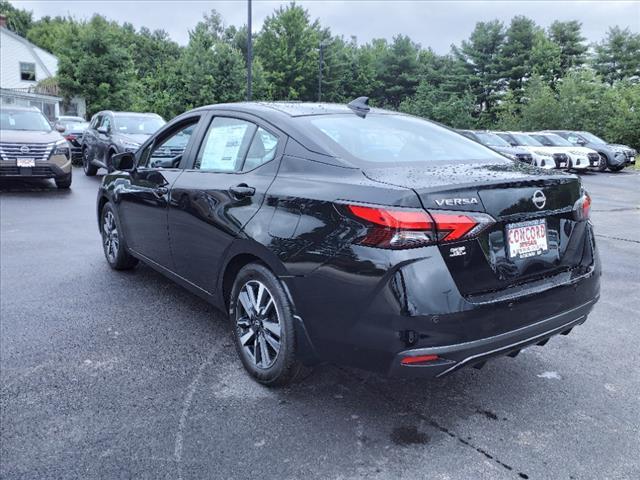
[59,127]
[123,161]
[581,141]
[103,130]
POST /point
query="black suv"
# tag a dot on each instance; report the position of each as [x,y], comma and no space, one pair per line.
[353,235]
[115,132]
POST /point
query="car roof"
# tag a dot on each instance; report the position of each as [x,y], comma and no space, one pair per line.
[19,108]
[290,109]
[132,114]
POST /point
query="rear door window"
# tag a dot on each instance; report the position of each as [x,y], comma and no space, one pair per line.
[225,145]
[262,149]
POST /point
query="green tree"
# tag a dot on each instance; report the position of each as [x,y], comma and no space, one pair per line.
[210,71]
[479,57]
[580,96]
[52,34]
[568,37]
[95,66]
[623,124]
[546,58]
[540,108]
[151,52]
[618,55]
[18,20]
[508,112]
[398,70]
[288,49]
[515,55]
[451,109]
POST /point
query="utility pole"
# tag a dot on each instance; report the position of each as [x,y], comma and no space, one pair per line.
[249,54]
[320,64]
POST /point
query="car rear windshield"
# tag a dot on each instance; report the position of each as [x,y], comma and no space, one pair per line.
[552,140]
[392,139]
[491,139]
[523,139]
[590,137]
[23,120]
[138,124]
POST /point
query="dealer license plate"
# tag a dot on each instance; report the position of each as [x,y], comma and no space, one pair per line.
[527,239]
[26,162]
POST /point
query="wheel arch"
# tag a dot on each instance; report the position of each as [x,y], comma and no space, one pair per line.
[241,253]
[102,201]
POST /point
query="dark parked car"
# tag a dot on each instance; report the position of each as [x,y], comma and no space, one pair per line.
[74,131]
[110,133]
[66,120]
[354,235]
[613,156]
[498,144]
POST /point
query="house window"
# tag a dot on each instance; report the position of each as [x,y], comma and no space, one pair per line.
[28,71]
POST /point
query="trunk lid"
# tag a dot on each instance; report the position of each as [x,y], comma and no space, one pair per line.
[506,191]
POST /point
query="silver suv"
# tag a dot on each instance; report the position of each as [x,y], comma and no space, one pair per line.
[31,148]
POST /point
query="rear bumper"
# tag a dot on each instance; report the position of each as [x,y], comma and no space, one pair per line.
[378,311]
[454,357]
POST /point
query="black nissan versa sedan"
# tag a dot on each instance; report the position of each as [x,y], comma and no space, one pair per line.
[354,235]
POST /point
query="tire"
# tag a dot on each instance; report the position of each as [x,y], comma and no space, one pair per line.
[257,331]
[617,168]
[603,163]
[109,161]
[89,169]
[113,244]
[64,181]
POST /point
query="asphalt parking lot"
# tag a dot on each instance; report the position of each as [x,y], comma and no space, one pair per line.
[126,375]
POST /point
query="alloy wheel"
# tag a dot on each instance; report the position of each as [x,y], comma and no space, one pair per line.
[258,324]
[85,160]
[110,236]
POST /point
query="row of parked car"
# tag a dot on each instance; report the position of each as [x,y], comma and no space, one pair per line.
[30,146]
[563,149]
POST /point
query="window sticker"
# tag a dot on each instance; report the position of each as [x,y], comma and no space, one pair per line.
[223,147]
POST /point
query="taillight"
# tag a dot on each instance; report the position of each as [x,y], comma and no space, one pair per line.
[411,228]
[70,137]
[582,207]
[394,228]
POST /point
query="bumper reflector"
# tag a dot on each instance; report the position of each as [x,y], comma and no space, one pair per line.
[419,359]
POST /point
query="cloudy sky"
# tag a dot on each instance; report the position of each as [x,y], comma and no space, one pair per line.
[437,24]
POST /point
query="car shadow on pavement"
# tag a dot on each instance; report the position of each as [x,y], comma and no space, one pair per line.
[29,185]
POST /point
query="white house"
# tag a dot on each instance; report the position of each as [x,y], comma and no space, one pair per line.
[22,67]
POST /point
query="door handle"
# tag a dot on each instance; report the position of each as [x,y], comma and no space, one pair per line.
[242,191]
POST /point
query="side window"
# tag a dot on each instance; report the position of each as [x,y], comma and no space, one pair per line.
[106,123]
[167,151]
[225,145]
[573,139]
[262,150]
[96,121]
